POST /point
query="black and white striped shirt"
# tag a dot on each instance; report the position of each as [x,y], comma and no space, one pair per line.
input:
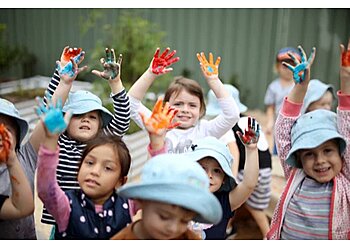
[71,150]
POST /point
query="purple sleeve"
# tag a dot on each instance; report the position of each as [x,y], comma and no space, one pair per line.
[54,199]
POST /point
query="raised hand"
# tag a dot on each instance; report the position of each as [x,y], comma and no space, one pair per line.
[52,115]
[251,133]
[69,53]
[111,68]
[5,143]
[345,68]
[301,70]
[209,68]
[159,64]
[161,119]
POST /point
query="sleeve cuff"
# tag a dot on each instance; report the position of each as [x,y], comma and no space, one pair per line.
[344,101]
[290,109]
[156,152]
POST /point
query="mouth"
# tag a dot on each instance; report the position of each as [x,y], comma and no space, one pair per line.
[84,128]
[322,170]
[92,183]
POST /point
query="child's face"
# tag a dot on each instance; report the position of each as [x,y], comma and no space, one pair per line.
[324,103]
[214,171]
[162,221]
[188,106]
[99,173]
[283,71]
[84,127]
[322,163]
[11,125]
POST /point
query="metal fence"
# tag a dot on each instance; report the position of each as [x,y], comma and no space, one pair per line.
[247,39]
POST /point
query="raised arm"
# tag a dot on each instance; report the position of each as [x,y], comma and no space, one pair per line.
[21,202]
[112,73]
[159,66]
[48,189]
[244,189]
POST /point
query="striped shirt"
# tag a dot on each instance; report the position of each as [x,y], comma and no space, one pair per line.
[71,150]
[308,211]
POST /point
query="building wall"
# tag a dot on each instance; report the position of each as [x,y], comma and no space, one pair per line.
[246,39]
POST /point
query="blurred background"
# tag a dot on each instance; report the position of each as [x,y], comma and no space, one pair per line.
[31,40]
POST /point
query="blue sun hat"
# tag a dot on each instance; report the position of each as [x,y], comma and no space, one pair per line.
[212,147]
[213,108]
[175,179]
[7,108]
[313,129]
[315,91]
[82,101]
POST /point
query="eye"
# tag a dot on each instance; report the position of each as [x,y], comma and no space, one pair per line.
[217,171]
[89,162]
[108,168]
[193,105]
[164,217]
[177,104]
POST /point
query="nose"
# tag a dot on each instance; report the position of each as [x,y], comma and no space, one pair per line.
[95,170]
[320,158]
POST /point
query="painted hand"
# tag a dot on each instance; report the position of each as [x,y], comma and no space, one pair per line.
[160,64]
[161,119]
[69,53]
[301,69]
[52,115]
[5,143]
[345,55]
[209,68]
[251,133]
[71,68]
[111,68]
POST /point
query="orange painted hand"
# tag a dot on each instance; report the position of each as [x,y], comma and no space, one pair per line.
[161,119]
[5,143]
[209,67]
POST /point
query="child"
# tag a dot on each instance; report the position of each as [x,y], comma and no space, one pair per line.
[314,154]
[26,153]
[216,160]
[20,203]
[279,88]
[318,96]
[186,95]
[171,190]
[89,116]
[95,211]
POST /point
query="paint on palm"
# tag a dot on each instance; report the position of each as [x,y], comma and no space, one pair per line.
[160,64]
[209,67]
[251,133]
[4,143]
[69,68]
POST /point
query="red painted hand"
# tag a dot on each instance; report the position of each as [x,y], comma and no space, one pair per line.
[160,64]
[4,143]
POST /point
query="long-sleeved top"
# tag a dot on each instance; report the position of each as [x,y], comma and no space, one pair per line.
[180,140]
[71,150]
[77,217]
[339,209]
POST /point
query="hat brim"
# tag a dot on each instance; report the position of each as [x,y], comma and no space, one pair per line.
[79,108]
[313,140]
[201,201]
[201,153]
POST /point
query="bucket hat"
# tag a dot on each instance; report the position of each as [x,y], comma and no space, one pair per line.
[82,101]
[282,54]
[7,108]
[212,147]
[175,179]
[213,108]
[315,91]
[313,129]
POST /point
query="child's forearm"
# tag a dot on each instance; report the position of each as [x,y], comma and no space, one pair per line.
[62,91]
[218,88]
[140,87]
[116,85]
[251,168]
[22,195]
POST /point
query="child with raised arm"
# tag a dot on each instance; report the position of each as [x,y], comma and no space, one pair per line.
[187,96]
[20,203]
[314,153]
[171,190]
[89,118]
[94,211]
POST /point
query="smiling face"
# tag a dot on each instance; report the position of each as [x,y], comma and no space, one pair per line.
[162,221]
[188,106]
[100,173]
[84,127]
[323,162]
[214,171]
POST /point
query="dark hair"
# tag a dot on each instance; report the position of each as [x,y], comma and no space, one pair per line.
[120,149]
[191,86]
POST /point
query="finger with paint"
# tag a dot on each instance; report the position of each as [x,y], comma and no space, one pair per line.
[111,68]
[251,133]
[209,67]
[5,143]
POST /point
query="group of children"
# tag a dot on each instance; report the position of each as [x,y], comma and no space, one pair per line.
[194,180]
